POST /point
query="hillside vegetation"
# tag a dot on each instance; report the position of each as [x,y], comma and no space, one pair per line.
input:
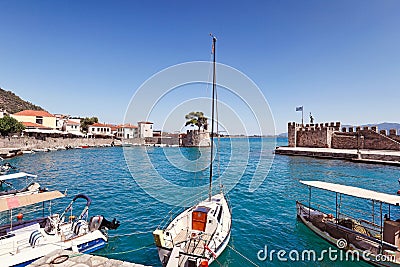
[13,103]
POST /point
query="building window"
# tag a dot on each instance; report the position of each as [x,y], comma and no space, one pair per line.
[39,120]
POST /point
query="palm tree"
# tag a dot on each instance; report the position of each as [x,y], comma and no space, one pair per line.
[196,118]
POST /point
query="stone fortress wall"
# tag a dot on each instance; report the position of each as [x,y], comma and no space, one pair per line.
[332,135]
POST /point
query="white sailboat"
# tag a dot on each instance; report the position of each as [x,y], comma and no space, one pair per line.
[201,233]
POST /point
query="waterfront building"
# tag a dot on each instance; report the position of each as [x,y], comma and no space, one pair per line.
[72,126]
[127,131]
[100,130]
[145,129]
[41,117]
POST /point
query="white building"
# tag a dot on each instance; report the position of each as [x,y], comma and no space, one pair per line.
[127,131]
[3,112]
[73,126]
[99,129]
[145,129]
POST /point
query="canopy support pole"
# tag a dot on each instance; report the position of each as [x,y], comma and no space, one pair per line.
[380,210]
[373,211]
[309,202]
[336,207]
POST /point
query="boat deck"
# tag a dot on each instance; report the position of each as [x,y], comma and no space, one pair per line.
[196,245]
[181,237]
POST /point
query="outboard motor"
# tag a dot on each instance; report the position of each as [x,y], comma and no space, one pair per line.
[99,223]
[33,187]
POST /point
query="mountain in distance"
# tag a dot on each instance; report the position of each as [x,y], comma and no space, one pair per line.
[13,103]
[282,135]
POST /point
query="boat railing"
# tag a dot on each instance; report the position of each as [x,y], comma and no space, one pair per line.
[370,238]
[341,215]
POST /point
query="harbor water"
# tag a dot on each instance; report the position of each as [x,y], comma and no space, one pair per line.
[262,220]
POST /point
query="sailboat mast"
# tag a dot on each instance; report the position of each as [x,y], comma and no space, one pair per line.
[212,117]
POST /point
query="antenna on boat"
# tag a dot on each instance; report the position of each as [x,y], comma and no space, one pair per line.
[212,115]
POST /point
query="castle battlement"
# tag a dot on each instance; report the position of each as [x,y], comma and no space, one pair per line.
[312,135]
[331,135]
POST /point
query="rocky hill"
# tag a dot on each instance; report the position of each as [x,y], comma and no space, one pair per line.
[13,103]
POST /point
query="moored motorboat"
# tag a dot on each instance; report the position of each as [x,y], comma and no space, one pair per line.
[25,241]
[6,168]
[8,189]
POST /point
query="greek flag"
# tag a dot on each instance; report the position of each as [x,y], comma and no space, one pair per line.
[299,108]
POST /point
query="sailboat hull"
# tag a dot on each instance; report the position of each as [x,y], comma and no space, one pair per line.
[183,244]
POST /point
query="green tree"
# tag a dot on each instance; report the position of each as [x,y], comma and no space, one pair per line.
[88,121]
[196,118]
[10,125]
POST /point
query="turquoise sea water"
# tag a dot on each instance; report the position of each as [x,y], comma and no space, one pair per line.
[265,217]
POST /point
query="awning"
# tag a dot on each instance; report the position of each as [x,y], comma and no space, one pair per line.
[16,176]
[77,133]
[49,131]
[355,192]
[22,201]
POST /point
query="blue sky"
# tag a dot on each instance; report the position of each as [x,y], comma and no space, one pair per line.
[339,59]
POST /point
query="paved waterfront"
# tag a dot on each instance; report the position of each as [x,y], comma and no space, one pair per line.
[363,155]
[63,258]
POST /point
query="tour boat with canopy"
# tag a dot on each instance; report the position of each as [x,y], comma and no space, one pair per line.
[24,241]
[199,234]
[6,168]
[376,240]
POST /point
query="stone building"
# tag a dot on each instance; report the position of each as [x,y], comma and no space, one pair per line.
[195,138]
[331,135]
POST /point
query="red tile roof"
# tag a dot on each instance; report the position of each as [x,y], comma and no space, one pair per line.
[113,127]
[73,122]
[34,125]
[127,125]
[145,122]
[35,113]
[99,125]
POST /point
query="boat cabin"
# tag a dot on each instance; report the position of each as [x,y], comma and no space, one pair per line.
[199,218]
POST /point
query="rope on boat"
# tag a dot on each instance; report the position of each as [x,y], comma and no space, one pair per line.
[243,256]
[134,233]
[127,251]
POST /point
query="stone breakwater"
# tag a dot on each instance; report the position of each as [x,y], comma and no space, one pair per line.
[10,146]
[365,156]
[69,258]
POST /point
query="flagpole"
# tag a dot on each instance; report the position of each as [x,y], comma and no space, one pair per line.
[302,116]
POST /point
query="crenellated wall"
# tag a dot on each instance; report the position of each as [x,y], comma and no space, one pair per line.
[366,138]
[311,135]
[330,135]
